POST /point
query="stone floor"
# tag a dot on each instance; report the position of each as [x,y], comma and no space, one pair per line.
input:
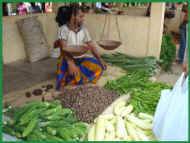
[21,75]
[20,78]
[17,97]
[171,76]
[176,70]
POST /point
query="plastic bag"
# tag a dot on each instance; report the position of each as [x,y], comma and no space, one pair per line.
[171,116]
[161,111]
[7,137]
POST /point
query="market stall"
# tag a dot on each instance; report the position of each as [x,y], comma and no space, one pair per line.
[119,107]
[125,105]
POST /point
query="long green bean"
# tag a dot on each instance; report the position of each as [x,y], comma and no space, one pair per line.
[144,93]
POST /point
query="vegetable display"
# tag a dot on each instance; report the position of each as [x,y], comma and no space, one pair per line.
[88,101]
[144,93]
[168,52]
[49,121]
[122,125]
[129,63]
[45,121]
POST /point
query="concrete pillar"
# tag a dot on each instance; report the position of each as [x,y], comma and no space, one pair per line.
[156,29]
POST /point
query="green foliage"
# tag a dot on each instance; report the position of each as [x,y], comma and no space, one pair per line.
[168,52]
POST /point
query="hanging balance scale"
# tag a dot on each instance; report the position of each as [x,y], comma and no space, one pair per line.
[106,43]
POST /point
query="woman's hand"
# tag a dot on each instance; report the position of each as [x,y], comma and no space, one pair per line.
[104,65]
[86,47]
[90,46]
[72,68]
[56,44]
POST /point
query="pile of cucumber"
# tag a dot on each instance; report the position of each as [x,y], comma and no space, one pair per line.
[45,121]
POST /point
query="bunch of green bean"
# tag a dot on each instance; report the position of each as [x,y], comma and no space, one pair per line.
[144,93]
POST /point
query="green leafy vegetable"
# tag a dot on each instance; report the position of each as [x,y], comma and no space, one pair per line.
[144,93]
[129,63]
[168,52]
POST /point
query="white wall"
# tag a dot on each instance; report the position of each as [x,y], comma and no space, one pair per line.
[141,36]
[13,46]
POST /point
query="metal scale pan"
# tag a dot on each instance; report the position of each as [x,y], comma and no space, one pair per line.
[108,44]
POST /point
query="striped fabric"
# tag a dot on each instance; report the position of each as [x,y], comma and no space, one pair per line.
[90,72]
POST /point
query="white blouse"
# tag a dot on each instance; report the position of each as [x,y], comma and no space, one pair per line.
[74,38]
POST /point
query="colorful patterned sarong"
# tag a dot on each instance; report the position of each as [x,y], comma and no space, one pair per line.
[90,71]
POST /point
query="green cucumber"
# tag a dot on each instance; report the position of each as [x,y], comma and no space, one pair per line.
[53,138]
[33,123]
[51,131]
[65,134]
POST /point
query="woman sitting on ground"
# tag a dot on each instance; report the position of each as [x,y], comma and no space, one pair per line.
[73,70]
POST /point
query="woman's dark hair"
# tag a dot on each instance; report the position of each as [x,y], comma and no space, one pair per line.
[33,4]
[65,12]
